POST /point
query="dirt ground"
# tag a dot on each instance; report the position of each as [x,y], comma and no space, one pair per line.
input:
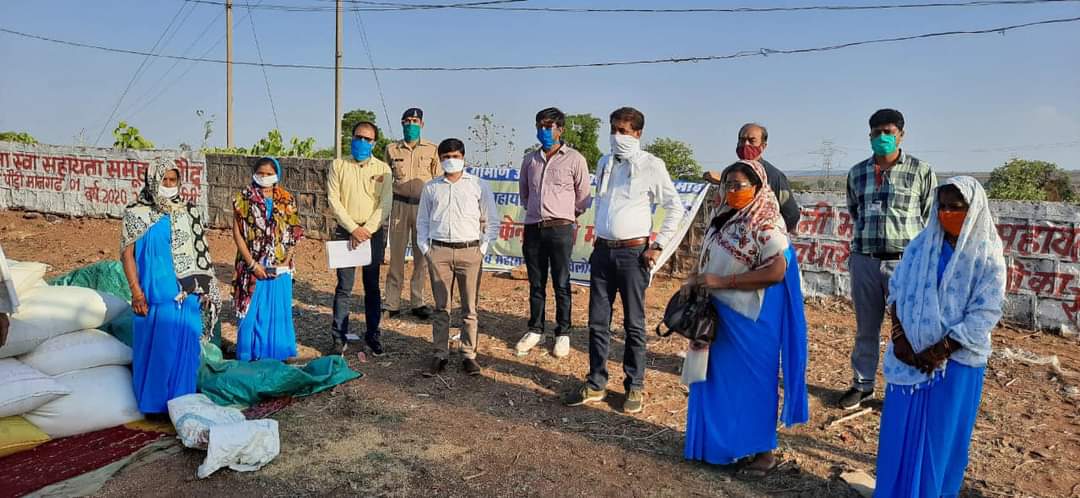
[394,433]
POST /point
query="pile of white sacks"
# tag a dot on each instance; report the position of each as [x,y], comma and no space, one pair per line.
[58,371]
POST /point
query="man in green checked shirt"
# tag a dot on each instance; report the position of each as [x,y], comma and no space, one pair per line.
[889,197]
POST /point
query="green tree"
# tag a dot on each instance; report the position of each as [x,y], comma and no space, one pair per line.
[1024,180]
[128,137]
[17,136]
[486,136]
[678,156]
[349,120]
[582,133]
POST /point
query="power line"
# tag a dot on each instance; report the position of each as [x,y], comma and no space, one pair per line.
[135,76]
[374,73]
[373,6]
[266,77]
[142,99]
[763,52]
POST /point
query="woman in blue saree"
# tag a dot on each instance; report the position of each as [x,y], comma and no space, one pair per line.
[749,268]
[266,229]
[946,297]
[174,293]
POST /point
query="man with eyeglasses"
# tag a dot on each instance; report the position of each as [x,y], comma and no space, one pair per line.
[889,197]
[414,162]
[753,140]
[553,184]
[358,189]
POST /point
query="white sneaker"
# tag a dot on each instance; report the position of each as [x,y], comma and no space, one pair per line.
[562,346]
[527,342]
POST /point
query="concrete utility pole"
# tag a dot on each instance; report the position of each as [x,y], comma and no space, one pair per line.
[337,83]
[228,76]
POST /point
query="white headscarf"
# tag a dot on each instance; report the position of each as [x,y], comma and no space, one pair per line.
[966,305]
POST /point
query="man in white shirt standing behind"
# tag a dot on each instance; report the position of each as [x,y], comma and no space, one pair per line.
[455,223]
[629,183]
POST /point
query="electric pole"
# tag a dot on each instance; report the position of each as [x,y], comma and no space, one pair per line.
[228,76]
[337,83]
[827,151]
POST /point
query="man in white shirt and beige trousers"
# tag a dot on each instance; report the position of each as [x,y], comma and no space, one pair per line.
[629,183]
[456,222]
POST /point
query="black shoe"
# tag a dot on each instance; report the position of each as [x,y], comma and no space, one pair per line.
[470,366]
[423,312]
[436,367]
[393,313]
[853,398]
[374,344]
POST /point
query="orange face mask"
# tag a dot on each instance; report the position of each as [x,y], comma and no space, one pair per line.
[740,198]
[952,221]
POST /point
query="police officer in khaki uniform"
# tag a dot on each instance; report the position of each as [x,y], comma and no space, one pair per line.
[414,162]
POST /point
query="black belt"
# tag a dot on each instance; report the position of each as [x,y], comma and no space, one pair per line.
[456,245]
[886,256]
[551,223]
[618,244]
[406,200]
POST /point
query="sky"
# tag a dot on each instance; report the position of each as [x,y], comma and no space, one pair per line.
[970,102]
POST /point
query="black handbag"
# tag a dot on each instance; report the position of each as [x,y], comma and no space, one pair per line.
[691,316]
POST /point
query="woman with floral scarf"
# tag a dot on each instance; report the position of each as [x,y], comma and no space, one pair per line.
[946,296]
[175,296]
[748,267]
[266,229]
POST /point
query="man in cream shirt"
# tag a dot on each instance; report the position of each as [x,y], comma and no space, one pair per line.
[629,183]
[359,192]
[456,222]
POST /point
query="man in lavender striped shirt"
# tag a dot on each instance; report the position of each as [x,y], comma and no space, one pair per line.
[554,187]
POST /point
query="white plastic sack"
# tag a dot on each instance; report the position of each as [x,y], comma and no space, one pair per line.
[100,398]
[194,414]
[76,351]
[60,309]
[26,275]
[22,388]
[23,337]
[244,446]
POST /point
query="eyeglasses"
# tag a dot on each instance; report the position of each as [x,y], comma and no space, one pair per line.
[875,133]
[366,139]
[736,186]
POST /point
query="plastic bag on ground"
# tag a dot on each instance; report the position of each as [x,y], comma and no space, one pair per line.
[243,446]
[194,414]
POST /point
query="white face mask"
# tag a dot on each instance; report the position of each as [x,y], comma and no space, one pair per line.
[453,165]
[624,145]
[167,192]
[265,181]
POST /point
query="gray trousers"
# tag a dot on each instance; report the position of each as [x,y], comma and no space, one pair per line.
[869,289]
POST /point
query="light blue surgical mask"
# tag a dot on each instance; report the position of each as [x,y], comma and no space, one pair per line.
[360,149]
[883,144]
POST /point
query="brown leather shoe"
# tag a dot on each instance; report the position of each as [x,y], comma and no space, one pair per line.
[436,367]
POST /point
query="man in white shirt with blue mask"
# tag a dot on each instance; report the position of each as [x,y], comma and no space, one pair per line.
[456,222]
[629,182]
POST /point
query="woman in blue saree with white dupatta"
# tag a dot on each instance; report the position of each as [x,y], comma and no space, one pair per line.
[749,267]
[175,296]
[946,297]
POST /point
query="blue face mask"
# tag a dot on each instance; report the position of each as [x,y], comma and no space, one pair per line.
[883,144]
[546,137]
[361,149]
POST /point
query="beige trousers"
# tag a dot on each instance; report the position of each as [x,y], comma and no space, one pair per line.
[402,233]
[446,266]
